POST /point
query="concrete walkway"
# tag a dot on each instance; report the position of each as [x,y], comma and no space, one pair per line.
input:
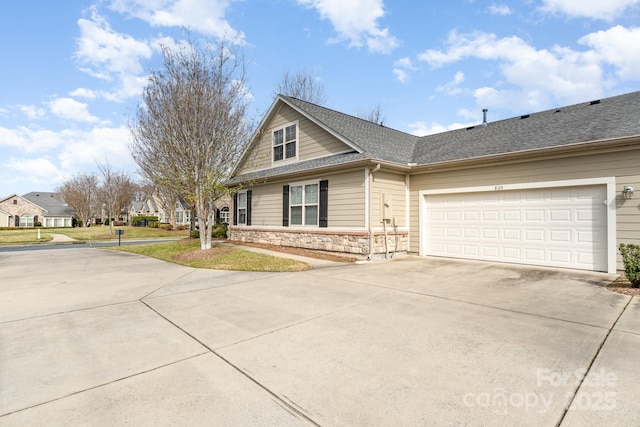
[93,337]
[61,238]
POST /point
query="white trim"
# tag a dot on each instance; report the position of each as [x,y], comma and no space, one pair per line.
[323,126]
[237,208]
[367,208]
[304,204]
[407,205]
[286,160]
[610,182]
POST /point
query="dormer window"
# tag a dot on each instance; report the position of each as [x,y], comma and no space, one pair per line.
[285,143]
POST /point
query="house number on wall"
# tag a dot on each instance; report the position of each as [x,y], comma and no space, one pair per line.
[498,187]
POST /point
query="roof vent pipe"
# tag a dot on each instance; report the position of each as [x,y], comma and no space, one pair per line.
[484,117]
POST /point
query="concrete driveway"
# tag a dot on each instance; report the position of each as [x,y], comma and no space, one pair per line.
[95,337]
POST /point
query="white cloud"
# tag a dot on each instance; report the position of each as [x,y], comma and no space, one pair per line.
[39,170]
[85,149]
[595,9]
[108,52]
[499,9]
[45,157]
[401,69]
[204,16]
[84,93]
[422,128]
[32,112]
[453,87]
[531,78]
[30,140]
[68,108]
[356,21]
[111,56]
[619,47]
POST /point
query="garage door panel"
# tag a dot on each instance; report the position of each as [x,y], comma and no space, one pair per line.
[560,215]
[511,215]
[562,227]
[560,236]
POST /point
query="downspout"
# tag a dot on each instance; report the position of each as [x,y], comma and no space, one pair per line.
[371,172]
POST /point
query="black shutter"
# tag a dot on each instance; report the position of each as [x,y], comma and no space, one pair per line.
[323,219]
[248,207]
[35,219]
[217,215]
[285,205]
[235,209]
[17,219]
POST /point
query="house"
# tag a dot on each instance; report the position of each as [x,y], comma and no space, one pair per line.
[181,212]
[36,208]
[553,188]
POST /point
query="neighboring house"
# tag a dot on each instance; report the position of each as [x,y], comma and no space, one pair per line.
[136,208]
[182,214]
[545,189]
[47,209]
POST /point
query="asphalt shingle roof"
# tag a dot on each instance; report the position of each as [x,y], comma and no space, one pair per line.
[378,142]
[52,202]
[609,118]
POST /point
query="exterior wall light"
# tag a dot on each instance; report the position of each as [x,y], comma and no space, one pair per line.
[627,192]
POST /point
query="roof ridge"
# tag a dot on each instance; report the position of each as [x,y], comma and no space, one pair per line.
[347,115]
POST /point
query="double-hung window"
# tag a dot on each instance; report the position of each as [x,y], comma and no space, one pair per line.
[242,208]
[285,143]
[303,201]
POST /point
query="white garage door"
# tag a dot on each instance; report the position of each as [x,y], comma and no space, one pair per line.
[557,227]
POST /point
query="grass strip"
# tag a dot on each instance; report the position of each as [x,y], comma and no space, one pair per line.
[187,252]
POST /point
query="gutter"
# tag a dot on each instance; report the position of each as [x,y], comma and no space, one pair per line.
[371,172]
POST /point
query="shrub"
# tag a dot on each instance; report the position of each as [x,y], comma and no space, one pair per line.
[166,226]
[219,232]
[153,224]
[142,220]
[631,260]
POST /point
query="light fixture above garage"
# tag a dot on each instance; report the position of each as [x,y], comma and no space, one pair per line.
[627,192]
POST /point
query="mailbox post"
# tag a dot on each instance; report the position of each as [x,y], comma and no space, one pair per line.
[119,233]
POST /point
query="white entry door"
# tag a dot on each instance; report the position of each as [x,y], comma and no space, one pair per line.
[556,227]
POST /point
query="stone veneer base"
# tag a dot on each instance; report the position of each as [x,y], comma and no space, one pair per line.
[353,242]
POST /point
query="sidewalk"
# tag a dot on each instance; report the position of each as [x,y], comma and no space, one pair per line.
[61,238]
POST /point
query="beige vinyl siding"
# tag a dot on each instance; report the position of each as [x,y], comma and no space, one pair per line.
[622,164]
[266,205]
[393,186]
[313,141]
[346,199]
[345,202]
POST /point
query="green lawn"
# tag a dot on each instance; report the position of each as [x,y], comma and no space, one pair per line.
[99,232]
[187,252]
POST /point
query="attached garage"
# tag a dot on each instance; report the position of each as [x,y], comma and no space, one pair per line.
[560,224]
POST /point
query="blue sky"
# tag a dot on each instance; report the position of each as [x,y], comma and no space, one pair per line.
[71,72]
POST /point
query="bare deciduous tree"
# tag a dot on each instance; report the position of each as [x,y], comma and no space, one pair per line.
[373,114]
[191,128]
[303,85]
[115,193]
[80,192]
